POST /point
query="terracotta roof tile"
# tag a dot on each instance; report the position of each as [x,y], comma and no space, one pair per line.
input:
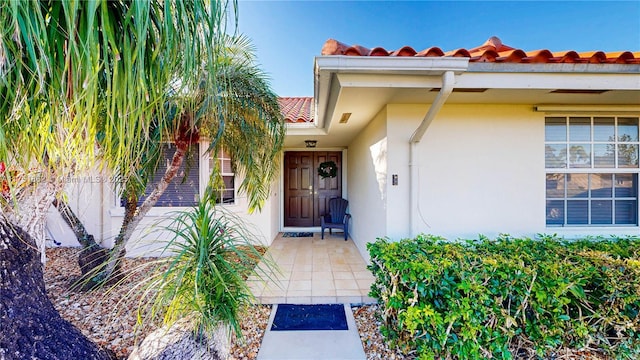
[404,51]
[493,50]
[493,43]
[432,51]
[296,109]
[566,56]
[458,53]
[379,52]
[511,56]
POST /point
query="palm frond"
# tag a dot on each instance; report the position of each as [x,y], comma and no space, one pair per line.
[211,253]
[246,121]
[72,72]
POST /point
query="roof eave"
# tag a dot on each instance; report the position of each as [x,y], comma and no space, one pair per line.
[327,66]
[391,64]
[569,68]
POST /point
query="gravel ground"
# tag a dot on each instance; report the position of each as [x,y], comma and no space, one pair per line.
[108,316]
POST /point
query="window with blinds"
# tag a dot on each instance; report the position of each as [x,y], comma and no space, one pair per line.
[184,190]
[591,170]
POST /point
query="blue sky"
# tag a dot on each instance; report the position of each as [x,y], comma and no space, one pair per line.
[288,34]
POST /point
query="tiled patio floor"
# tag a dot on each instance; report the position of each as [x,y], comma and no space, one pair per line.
[314,271]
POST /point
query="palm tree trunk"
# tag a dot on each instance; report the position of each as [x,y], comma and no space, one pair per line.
[84,238]
[135,214]
[93,256]
[31,325]
[30,214]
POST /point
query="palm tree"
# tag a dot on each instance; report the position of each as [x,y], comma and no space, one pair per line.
[72,72]
[241,114]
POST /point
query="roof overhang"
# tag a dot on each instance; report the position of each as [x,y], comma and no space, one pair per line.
[564,68]
[609,77]
[363,85]
[333,74]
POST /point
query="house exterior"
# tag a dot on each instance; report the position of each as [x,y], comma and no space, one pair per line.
[486,140]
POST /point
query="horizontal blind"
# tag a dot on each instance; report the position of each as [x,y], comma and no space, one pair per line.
[184,189]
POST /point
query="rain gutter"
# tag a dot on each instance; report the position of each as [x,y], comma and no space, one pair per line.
[326,93]
[448,82]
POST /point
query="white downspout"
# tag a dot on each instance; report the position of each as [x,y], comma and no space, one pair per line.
[448,81]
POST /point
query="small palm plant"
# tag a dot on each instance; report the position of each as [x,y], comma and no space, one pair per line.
[212,252]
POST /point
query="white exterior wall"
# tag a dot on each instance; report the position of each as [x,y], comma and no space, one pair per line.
[401,123]
[95,203]
[274,206]
[368,178]
[84,196]
[149,239]
[481,171]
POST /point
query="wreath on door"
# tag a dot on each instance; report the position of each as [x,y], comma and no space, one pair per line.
[328,169]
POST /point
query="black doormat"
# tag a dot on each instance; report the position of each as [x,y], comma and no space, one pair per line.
[297,234]
[309,317]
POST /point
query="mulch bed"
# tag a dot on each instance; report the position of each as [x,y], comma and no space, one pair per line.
[108,316]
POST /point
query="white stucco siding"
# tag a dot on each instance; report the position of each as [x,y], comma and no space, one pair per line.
[93,198]
[367,178]
[149,239]
[274,210]
[480,170]
[95,202]
[402,120]
[84,196]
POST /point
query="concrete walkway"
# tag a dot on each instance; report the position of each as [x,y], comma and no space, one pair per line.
[312,344]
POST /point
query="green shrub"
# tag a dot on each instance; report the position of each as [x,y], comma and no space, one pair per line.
[486,298]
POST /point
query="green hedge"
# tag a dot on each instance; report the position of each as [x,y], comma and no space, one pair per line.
[477,299]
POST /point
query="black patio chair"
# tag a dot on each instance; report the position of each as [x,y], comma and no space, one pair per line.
[337,217]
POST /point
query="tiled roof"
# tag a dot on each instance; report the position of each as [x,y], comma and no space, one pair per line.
[493,50]
[296,109]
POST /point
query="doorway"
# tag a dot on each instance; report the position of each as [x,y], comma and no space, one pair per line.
[307,194]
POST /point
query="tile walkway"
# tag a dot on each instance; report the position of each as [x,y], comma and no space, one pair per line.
[314,271]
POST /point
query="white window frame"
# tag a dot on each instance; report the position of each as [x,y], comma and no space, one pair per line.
[592,169]
[206,172]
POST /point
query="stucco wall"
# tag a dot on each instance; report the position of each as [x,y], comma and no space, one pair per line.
[149,238]
[274,208]
[84,196]
[480,169]
[368,177]
[401,122]
[95,204]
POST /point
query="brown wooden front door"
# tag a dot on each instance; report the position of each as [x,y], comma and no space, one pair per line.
[306,194]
